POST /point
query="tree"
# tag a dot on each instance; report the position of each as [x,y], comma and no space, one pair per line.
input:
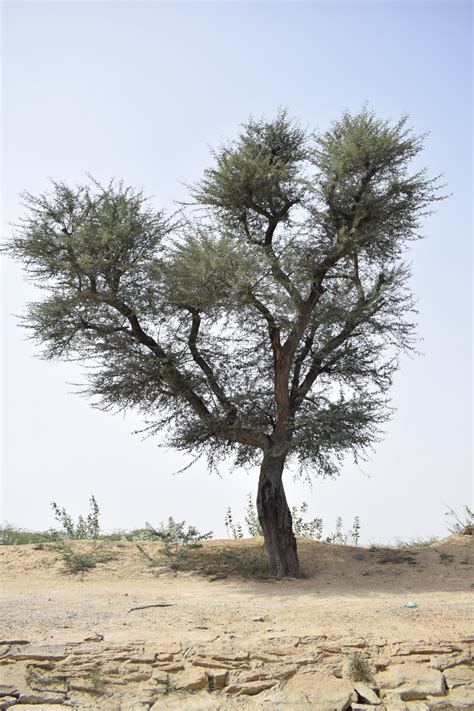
[266,322]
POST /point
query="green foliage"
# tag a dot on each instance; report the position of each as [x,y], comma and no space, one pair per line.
[268,321]
[251,519]
[305,529]
[233,530]
[85,528]
[82,561]
[416,543]
[338,536]
[300,244]
[178,541]
[355,532]
[13,535]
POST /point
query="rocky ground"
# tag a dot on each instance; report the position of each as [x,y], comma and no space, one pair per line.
[127,636]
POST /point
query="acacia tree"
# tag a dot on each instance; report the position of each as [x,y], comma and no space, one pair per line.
[266,322]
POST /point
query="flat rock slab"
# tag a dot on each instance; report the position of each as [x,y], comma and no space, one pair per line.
[204,701]
[191,679]
[459,699]
[411,681]
[38,652]
[8,690]
[366,694]
[459,675]
[318,691]
[43,707]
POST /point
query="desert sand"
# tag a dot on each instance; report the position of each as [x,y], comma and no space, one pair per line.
[239,642]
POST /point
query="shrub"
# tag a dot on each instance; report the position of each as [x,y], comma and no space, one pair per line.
[177,540]
[11,535]
[81,562]
[460,523]
[234,530]
[358,668]
[85,528]
[306,529]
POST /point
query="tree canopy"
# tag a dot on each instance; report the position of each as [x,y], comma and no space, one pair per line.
[267,316]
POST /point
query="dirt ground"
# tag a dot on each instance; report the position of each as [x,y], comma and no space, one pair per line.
[347,593]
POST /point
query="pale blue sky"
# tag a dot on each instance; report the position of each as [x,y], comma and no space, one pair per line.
[140,91]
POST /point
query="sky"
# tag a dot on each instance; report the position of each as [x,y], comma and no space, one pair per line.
[142,91]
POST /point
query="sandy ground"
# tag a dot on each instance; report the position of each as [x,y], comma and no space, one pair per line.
[353,592]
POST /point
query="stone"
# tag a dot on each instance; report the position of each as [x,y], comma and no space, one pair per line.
[411,681]
[459,699]
[191,679]
[395,705]
[459,675]
[38,652]
[43,707]
[8,690]
[208,663]
[453,660]
[317,690]
[7,701]
[365,693]
[144,659]
[167,649]
[163,657]
[161,678]
[202,701]
[249,688]
[42,698]
[349,642]
[172,668]
[138,676]
[217,678]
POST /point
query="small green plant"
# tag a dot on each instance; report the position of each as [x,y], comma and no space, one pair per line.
[234,530]
[355,531]
[338,536]
[306,529]
[81,562]
[446,558]
[85,528]
[251,519]
[395,556]
[416,543]
[177,540]
[358,668]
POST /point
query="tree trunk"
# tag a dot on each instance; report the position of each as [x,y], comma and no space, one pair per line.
[275,518]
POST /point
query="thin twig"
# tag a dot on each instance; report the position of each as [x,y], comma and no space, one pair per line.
[145,607]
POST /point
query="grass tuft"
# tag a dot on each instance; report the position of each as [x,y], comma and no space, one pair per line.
[358,668]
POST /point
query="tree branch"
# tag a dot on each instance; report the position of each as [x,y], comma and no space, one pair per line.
[179,383]
[205,367]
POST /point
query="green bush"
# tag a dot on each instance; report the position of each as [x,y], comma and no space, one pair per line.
[305,529]
[85,528]
[81,562]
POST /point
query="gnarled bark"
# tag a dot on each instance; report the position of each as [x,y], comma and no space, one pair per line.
[275,518]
